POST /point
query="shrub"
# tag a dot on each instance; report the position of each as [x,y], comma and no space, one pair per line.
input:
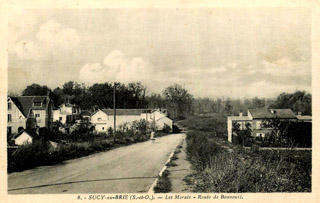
[163,185]
[166,128]
[199,150]
[216,124]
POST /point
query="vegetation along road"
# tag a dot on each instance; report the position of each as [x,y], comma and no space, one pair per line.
[129,169]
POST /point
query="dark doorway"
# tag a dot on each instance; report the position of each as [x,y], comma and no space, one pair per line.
[20,129]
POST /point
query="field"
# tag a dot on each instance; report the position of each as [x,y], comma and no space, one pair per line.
[218,170]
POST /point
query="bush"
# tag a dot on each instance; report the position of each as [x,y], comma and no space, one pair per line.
[166,128]
[216,124]
[199,149]
[39,154]
[164,184]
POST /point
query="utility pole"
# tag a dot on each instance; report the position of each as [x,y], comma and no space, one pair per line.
[146,119]
[114,112]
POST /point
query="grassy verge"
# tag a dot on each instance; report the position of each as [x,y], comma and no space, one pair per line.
[246,171]
[164,184]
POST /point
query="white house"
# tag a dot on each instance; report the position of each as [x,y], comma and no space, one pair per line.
[28,112]
[255,118]
[24,137]
[66,113]
[103,119]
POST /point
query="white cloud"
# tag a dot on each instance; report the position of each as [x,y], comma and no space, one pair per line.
[51,39]
[117,67]
[55,36]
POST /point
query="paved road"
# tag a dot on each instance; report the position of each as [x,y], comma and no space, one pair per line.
[129,169]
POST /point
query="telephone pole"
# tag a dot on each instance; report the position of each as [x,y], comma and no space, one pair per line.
[146,119]
[114,112]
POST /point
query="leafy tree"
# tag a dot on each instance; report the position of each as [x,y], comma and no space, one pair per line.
[179,100]
[244,136]
[299,101]
[68,88]
[36,90]
[228,107]
[279,131]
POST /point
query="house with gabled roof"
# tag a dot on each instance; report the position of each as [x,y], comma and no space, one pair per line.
[255,118]
[29,112]
[103,119]
[24,137]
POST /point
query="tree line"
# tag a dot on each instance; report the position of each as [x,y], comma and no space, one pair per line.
[178,102]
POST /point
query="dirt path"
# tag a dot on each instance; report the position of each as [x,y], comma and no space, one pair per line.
[179,173]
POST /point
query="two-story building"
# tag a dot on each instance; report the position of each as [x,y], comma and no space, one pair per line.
[66,113]
[255,118]
[29,112]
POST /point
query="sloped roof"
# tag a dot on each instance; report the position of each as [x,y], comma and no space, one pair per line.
[131,112]
[164,117]
[25,103]
[304,117]
[85,113]
[39,99]
[30,133]
[239,118]
[277,113]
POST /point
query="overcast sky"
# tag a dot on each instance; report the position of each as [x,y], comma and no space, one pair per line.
[212,52]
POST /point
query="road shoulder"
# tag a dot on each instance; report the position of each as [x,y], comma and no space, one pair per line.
[180,172]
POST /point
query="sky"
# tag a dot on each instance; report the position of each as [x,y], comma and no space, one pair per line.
[218,52]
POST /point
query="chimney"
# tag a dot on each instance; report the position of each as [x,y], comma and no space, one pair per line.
[240,114]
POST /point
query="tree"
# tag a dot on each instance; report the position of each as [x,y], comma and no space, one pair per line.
[155,101]
[179,99]
[279,131]
[68,88]
[299,101]
[244,136]
[228,107]
[36,90]
[58,96]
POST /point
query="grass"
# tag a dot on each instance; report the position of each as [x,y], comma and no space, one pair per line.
[246,171]
[163,184]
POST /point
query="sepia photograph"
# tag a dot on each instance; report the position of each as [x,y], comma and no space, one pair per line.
[159,100]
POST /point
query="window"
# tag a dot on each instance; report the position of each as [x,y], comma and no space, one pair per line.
[9,117]
[260,134]
[37,115]
[102,128]
[37,104]
[74,110]
[99,119]
[258,124]
[9,106]
[60,118]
